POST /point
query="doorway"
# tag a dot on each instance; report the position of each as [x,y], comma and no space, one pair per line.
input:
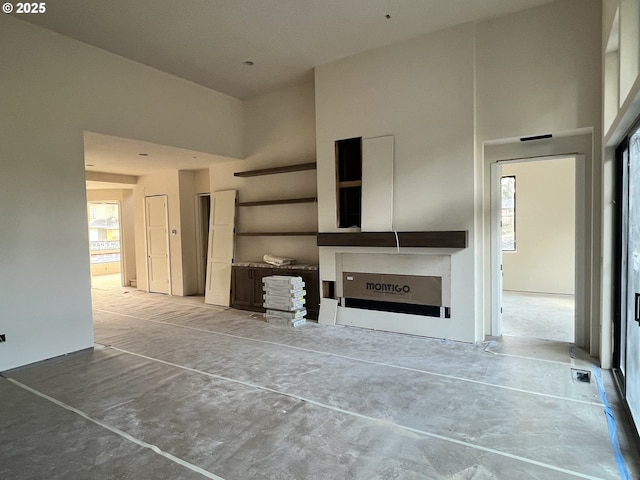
[626,355]
[536,251]
[203,209]
[104,243]
[157,243]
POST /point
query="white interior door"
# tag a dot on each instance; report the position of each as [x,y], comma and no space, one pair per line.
[157,244]
[221,247]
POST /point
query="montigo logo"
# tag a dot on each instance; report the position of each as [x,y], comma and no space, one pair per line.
[388,287]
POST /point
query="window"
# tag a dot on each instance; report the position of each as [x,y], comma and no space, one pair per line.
[349,182]
[508,220]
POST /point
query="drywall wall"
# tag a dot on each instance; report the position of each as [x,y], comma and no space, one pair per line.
[538,71]
[422,93]
[280,130]
[59,88]
[161,183]
[443,96]
[201,181]
[545,228]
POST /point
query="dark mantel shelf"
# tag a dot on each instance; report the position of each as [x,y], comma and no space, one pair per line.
[451,239]
[272,171]
[276,234]
[283,201]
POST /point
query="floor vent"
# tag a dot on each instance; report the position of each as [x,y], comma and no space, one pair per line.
[581,376]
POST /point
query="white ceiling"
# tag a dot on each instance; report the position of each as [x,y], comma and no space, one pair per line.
[208,41]
[106,153]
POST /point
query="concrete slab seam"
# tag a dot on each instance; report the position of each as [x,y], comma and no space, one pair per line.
[369,418]
[530,358]
[206,306]
[117,431]
[370,362]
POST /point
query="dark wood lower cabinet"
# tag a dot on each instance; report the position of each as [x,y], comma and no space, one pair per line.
[246,287]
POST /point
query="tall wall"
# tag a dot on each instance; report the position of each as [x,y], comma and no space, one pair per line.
[422,93]
[279,130]
[443,96]
[538,71]
[59,88]
[544,259]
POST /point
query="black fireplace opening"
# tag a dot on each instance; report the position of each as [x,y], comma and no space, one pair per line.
[410,308]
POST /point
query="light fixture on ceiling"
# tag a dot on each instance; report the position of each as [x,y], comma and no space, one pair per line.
[143,154]
[387,16]
[248,63]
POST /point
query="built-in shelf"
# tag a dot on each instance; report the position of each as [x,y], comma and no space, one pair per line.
[276,234]
[271,171]
[284,201]
[448,239]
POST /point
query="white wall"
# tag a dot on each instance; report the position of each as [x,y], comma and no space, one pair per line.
[279,130]
[422,93]
[61,87]
[538,71]
[443,96]
[545,228]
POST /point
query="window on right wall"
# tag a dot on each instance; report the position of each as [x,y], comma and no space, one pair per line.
[349,182]
[508,219]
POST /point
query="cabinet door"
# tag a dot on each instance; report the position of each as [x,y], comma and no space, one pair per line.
[242,287]
[258,275]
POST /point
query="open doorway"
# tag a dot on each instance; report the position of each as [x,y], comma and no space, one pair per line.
[203,209]
[538,248]
[104,244]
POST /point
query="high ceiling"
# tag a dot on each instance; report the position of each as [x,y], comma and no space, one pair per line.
[210,42]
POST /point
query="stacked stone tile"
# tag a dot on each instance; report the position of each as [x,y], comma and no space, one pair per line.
[284,300]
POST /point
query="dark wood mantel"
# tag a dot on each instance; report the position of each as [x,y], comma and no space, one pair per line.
[450,239]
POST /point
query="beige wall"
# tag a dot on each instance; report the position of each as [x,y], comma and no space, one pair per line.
[443,96]
[545,228]
[421,92]
[538,71]
[61,88]
[280,130]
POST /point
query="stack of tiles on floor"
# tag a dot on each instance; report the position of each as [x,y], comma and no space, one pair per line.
[284,300]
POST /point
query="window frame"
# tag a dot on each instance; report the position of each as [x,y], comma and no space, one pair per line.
[513,214]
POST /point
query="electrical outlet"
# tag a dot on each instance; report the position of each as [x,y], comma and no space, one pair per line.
[3,337]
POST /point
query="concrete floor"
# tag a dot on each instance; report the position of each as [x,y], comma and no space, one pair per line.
[176,389]
[538,315]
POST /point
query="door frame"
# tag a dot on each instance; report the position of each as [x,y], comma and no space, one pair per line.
[120,234]
[581,322]
[146,242]
[201,249]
